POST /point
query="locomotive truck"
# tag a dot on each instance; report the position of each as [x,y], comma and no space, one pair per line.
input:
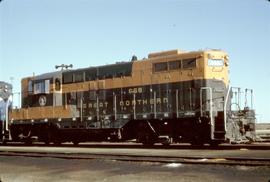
[169,97]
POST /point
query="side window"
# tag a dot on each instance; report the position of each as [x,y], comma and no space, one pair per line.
[175,65]
[160,67]
[90,74]
[67,78]
[30,87]
[79,77]
[189,63]
[42,87]
[57,84]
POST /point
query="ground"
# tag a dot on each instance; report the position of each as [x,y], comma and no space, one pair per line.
[28,169]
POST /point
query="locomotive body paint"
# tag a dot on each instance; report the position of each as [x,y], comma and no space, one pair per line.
[171,96]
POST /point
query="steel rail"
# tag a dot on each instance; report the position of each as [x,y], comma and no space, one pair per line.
[257,146]
[141,158]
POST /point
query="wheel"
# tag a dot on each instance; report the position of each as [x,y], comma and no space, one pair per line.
[214,143]
[146,134]
[167,142]
[146,140]
[148,143]
[57,142]
[28,142]
[75,142]
[4,142]
[45,138]
[197,141]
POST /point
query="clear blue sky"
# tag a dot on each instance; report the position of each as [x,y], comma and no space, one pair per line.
[37,35]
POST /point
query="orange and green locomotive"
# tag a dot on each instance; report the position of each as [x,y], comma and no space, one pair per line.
[169,97]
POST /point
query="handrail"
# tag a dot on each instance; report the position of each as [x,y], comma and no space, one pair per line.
[97,109]
[115,106]
[225,108]
[176,103]
[155,105]
[134,106]
[251,98]
[81,109]
[7,118]
[211,108]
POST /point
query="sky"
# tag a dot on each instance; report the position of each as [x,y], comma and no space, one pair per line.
[37,35]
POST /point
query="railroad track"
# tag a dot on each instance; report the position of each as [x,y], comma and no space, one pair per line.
[241,156]
[153,159]
[131,145]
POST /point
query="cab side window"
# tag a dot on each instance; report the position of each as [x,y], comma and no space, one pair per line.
[42,87]
[30,87]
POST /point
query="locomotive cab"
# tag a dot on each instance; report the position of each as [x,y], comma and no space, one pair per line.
[42,90]
[42,106]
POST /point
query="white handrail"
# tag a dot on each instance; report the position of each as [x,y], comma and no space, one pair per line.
[225,108]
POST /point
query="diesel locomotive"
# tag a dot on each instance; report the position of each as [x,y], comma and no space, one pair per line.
[169,97]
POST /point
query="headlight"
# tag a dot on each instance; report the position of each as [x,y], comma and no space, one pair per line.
[215,62]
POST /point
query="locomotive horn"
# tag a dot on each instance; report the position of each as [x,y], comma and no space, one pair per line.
[62,66]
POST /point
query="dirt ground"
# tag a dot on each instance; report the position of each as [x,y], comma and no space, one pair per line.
[28,169]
